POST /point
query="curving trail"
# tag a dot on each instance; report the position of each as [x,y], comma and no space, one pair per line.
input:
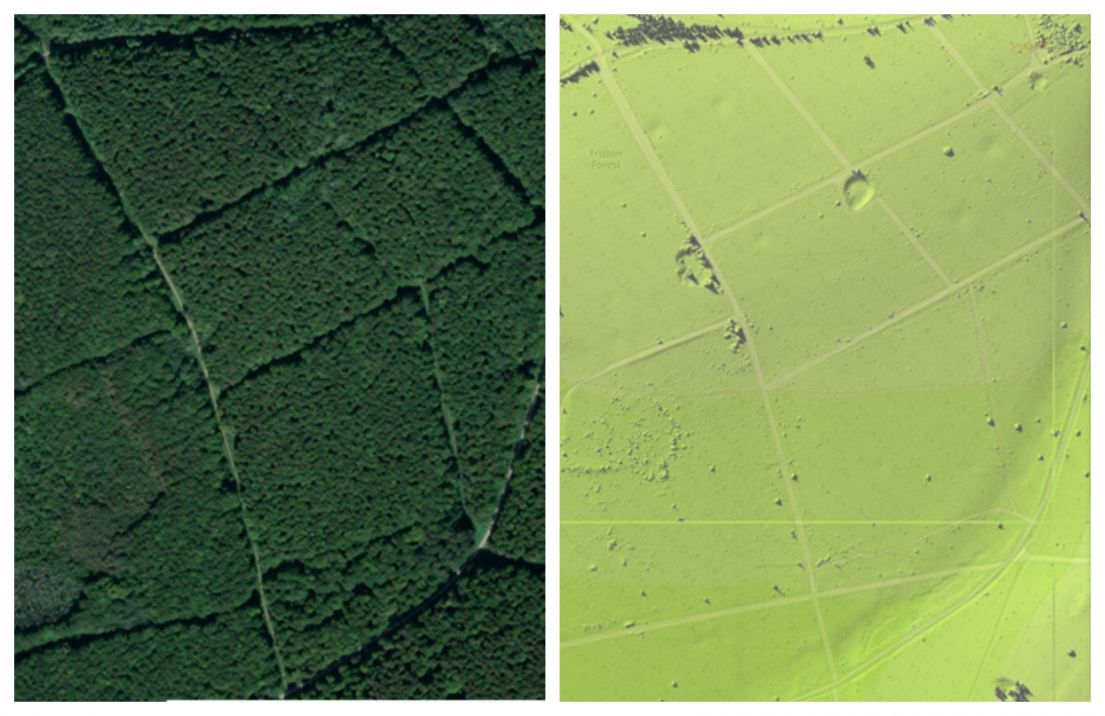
[1002,567]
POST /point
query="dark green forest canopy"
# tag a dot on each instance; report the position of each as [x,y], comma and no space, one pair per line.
[488,367]
[121,488]
[330,514]
[83,28]
[481,638]
[335,242]
[507,109]
[519,532]
[279,346]
[84,284]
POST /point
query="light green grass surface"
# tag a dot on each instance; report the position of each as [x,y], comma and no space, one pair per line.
[836,445]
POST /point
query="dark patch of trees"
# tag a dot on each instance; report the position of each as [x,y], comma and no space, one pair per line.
[580,74]
[662,30]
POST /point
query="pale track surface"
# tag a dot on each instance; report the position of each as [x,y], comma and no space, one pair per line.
[1082,203]
[768,604]
[864,587]
[649,353]
[839,176]
[1013,557]
[924,303]
[647,150]
[1076,402]
[834,180]
[845,164]
[1017,555]
[848,343]
[973,519]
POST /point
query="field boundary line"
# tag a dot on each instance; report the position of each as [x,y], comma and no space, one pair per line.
[754,523]
[649,353]
[1050,559]
[759,606]
[845,164]
[800,108]
[994,632]
[653,159]
[899,316]
[969,520]
[888,151]
[916,243]
[1016,129]
[840,175]
[988,375]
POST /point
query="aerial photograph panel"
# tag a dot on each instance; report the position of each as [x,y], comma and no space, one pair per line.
[279,357]
[824,397]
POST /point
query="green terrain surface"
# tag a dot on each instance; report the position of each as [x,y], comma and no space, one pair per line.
[279,357]
[825,358]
